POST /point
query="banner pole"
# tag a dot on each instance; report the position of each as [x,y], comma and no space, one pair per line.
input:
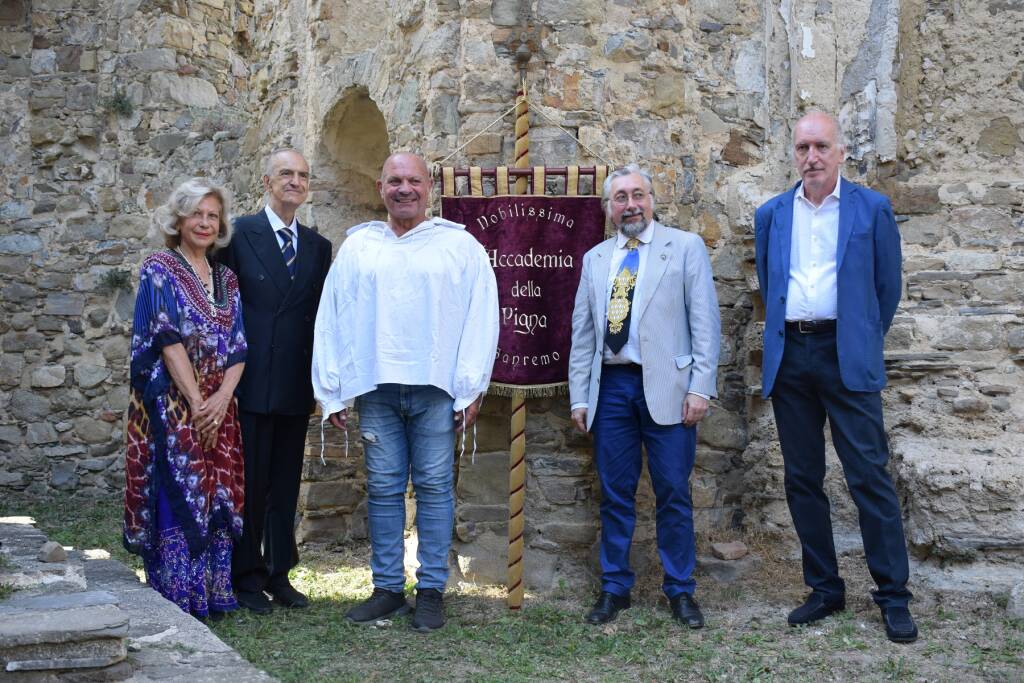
[517,448]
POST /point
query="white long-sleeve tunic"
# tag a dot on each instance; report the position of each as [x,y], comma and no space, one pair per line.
[421,309]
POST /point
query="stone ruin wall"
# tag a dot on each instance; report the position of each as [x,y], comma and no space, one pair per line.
[107,105]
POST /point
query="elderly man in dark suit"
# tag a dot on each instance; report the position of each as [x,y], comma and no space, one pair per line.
[281,265]
[643,365]
[828,261]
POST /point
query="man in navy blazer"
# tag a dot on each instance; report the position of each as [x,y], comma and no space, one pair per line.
[281,266]
[828,262]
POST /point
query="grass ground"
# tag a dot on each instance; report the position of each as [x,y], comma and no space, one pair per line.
[963,638]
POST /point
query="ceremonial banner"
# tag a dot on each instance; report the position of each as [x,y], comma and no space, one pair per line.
[536,245]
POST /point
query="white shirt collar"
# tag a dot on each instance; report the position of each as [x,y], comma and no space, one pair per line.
[646,236]
[276,223]
[390,234]
[384,229]
[834,193]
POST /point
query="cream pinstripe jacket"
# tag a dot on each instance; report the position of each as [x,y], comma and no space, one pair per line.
[679,325]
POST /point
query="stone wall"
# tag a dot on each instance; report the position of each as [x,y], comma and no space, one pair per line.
[109,103]
[941,135]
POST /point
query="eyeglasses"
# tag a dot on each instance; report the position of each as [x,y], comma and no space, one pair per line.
[622,198]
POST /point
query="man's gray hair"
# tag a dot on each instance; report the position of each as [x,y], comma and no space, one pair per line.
[628,169]
[182,203]
[268,164]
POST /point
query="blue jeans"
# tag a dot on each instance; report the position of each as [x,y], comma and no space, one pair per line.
[408,428]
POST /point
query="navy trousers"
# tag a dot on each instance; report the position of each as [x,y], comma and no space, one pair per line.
[809,389]
[622,423]
[273,448]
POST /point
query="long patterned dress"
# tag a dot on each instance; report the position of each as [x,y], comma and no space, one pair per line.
[183,504]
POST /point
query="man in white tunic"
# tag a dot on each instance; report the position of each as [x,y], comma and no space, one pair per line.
[406,333]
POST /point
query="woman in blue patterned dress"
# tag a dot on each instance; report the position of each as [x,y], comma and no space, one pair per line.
[183,464]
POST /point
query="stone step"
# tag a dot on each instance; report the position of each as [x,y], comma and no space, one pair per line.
[84,630]
[117,627]
[22,568]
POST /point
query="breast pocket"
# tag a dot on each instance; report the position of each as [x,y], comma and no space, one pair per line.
[859,249]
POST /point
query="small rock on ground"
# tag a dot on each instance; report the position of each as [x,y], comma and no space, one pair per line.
[52,552]
[733,550]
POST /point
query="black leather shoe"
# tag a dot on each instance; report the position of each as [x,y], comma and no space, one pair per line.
[607,608]
[899,625]
[286,596]
[256,603]
[814,609]
[686,610]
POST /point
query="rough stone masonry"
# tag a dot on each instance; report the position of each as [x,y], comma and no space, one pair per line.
[107,104]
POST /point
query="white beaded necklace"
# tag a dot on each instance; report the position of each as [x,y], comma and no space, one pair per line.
[207,287]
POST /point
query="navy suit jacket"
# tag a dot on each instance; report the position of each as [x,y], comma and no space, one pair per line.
[868,282]
[278,313]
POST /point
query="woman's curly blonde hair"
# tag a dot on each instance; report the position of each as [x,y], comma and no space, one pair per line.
[183,203]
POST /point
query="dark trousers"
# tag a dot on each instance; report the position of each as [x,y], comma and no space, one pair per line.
[809,389]
[273,446]
[621,424]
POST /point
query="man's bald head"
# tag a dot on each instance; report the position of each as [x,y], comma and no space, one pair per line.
[406,159]
[821,118]
[404,186]
[818,152]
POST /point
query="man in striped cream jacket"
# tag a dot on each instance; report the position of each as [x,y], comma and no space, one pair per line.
[645,340]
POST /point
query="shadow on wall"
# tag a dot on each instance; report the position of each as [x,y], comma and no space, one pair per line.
[351,150]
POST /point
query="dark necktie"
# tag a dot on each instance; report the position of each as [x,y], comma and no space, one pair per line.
[288,251]
[620,304]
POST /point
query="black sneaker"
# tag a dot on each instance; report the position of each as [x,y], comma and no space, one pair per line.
[429,614]
[383,604]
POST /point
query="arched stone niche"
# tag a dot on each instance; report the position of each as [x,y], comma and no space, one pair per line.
[352,149]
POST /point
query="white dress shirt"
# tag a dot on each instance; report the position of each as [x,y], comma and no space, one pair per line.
[811,293]
[420,309]
[277,225]
[630,351]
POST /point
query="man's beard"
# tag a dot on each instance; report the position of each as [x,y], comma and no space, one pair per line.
[633,229]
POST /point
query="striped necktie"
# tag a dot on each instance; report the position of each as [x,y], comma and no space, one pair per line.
[288,250]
